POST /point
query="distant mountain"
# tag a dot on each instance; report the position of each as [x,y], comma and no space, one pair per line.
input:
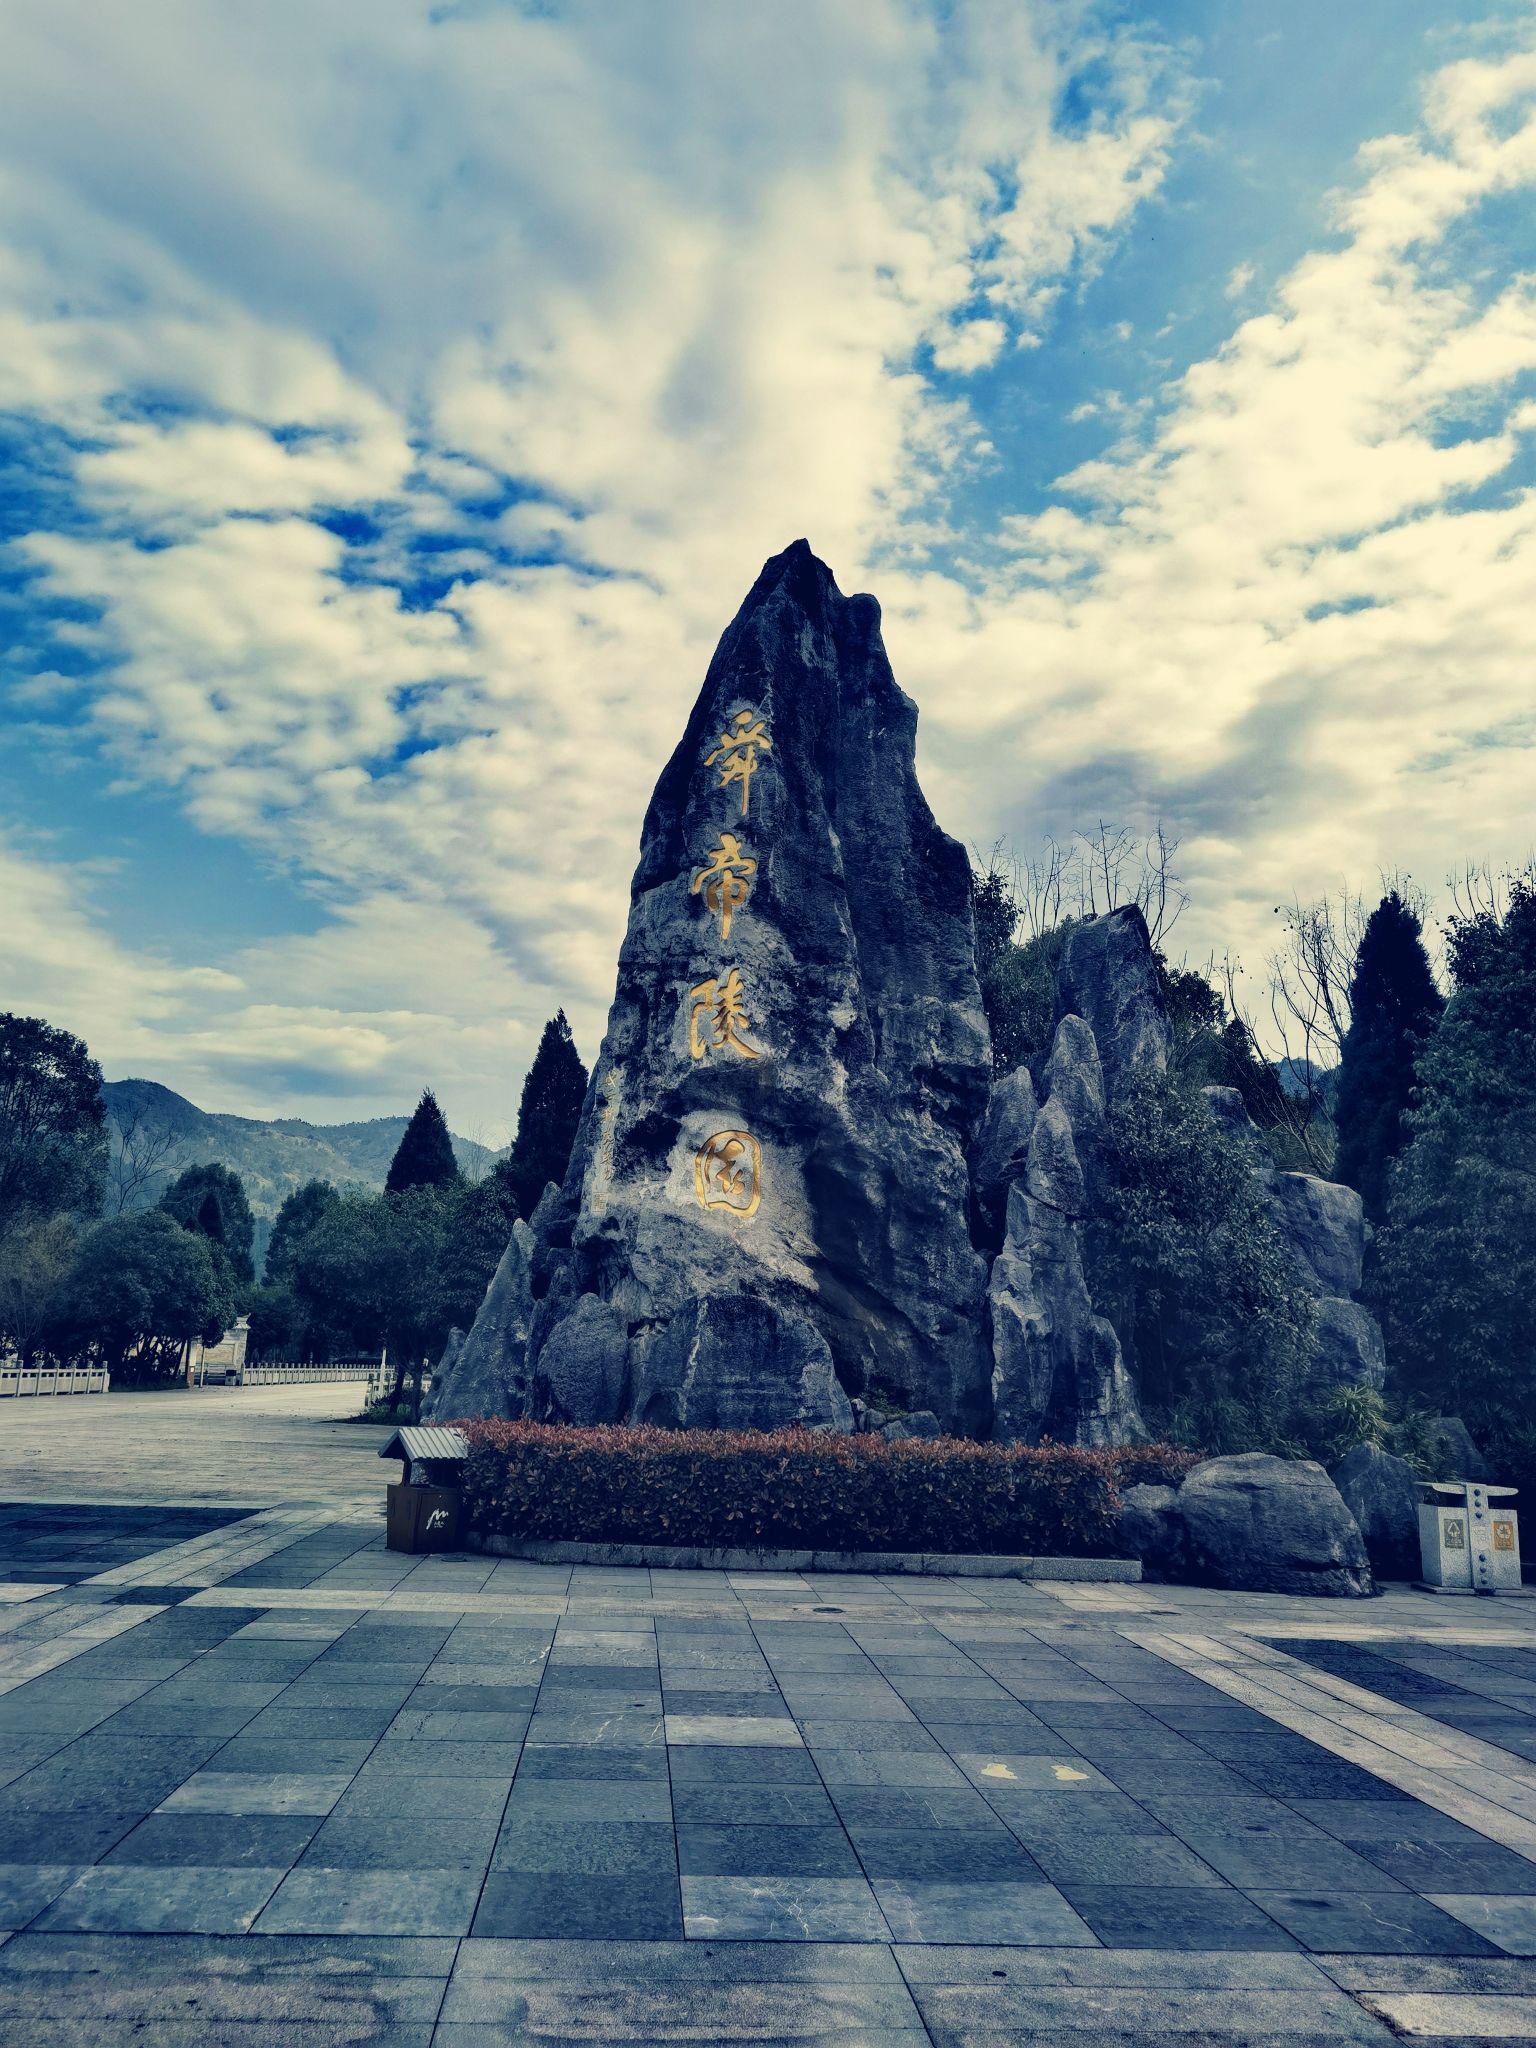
[153,1133]
[1293,1079]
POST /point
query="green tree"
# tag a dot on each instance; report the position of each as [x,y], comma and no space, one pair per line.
[1185,1261]
[1455,1273]
[371,1273]
[210,1199]
[140,1289]
[424,1157]
[547,1116]
[53,1144]
[297,1217]
[35,1261]
[1394,1006]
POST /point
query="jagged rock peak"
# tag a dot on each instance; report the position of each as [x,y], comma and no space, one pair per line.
[766,1210]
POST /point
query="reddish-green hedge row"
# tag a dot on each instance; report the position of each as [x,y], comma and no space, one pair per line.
[793,1489]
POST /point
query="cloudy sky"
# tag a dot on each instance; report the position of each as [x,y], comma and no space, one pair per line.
[398,396]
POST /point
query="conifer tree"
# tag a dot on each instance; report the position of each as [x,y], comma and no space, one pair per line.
[546,1117]
[211,1200]
[424,1158]
[1394,1006]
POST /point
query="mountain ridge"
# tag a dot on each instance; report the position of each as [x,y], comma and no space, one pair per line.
[153,1129]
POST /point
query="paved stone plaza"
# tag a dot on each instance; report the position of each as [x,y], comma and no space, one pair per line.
[262,1781]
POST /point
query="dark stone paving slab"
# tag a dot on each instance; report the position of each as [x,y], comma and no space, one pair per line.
[43,1543]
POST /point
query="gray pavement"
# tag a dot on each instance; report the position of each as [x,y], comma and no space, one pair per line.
[262,1781]
[182,1447]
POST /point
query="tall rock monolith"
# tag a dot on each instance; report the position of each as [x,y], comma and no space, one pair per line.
[767,1206]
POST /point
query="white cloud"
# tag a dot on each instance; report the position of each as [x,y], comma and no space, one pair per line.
[313,287]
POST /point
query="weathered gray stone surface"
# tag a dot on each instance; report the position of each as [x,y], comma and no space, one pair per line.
[723,1362]
[1057,1368]
[1382,1493]
[483,1373]
[921,1423]
[1108,978]
[1324,1225]
[1259,1524]
[1152,1530]
[1002,1149]
[1347,1350]
[867,1075]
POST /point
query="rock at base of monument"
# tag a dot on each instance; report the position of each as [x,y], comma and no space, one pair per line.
[1258,1524]
[583,1366]
[922,1423]
[1347,1350]
[433,1408]
[732,1362]
[1151,1529]
[485,1375]
[1382,1493]
[1109,977]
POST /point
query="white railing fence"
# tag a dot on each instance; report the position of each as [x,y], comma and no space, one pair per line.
[54,1379]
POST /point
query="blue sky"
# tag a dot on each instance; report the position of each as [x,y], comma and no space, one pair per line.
[398,398]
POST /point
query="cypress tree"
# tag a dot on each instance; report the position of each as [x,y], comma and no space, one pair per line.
[546,1116]
[211,1200]
[424,1158]
[1394,1006]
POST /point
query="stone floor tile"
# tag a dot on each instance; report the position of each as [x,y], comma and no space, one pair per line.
[1475,1866]
[781,1909]
[25,1888]
[389,1794]
[388,1842]
[582,1761]
[1145,1860]
[79,1838]
[692,1764]
[706,1851]
[571,1847]
[612,2010]
[711,1731]
[448,1759]
[1012,2012]
[1509,1923]
[311,1900]
[1174,1917]
[216,1841]
[1443,2016]
[735,1805]
[957,1854]
[925,1909]
[1263,1861]
[1015,1771]
[162,1899]
[267,1758]
[525,1905]
[210,1791]
[1363,1923]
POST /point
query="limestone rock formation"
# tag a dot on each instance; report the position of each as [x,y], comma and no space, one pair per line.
[1322,1225]
[1382,1493]
[767,1208]
[1108,978]
[1057,1370]
[483,1373]
[1150,1529]
[1259,1524]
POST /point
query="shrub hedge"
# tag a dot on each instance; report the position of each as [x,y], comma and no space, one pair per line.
[795,1489]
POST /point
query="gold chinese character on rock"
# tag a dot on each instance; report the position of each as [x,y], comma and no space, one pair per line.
[728,1173]
[740,744]
[717,1017]
[726,880]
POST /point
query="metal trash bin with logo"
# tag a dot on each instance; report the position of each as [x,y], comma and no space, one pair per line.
[1469,1539]
[423,1510]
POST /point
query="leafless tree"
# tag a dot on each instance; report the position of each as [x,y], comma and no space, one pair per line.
[143,1152]
[1093,872]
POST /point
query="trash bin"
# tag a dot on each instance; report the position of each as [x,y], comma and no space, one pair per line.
[423,1504]
[422,1518]
[1469,1541]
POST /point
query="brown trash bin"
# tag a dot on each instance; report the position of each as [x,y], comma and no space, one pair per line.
[422,1518]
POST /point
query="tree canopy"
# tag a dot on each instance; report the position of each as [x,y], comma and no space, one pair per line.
[1394,1006]
[140,1288]
[1456,1272]
[211,1200]
[547,1116]
[53,1145]
[424,1157]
